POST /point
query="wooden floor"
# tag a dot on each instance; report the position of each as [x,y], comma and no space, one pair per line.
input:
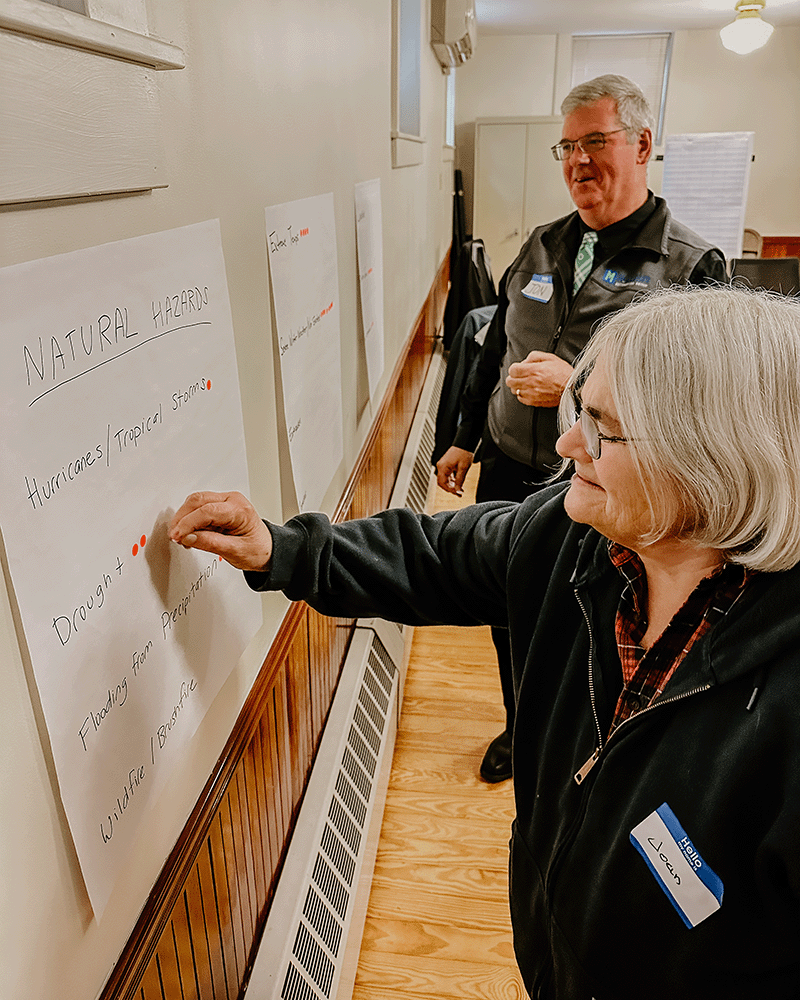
[437,923]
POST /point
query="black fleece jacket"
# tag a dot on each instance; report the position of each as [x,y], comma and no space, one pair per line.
[721,748]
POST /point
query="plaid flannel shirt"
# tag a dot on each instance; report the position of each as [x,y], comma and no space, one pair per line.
[646,672]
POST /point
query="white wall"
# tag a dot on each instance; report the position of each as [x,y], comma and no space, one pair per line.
[710,90]
[514,73]
[277,101]
[713,90]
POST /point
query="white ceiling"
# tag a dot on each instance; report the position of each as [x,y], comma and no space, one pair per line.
[501,17]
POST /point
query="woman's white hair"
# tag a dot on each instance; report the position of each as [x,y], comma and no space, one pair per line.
[707,388]
[633,111]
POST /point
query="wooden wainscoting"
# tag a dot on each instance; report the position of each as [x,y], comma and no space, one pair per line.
[781,246]
[199,930]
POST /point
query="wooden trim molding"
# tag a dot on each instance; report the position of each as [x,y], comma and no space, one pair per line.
[199,930]
[54,24]
[79,102]
[780,246]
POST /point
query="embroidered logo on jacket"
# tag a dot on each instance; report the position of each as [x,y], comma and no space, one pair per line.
[623,279]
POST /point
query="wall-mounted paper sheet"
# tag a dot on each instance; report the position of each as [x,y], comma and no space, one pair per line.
[120,395]
[706,177]
[301,247]
[369,236]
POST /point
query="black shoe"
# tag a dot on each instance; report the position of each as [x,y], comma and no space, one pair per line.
[496,763]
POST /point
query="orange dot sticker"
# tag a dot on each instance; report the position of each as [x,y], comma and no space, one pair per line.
[208,384]
[142,542]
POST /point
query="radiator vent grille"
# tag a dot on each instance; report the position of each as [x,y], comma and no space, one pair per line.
[296,988]
[382,665]
[331,886]
[357,774]
[438,385]
[422,471]
[415,477]
[348,794]
[345,826]
[313,959]
[362,751]
[321,930]
[377,692]
[376,716]
[337,852]
[367,729]
[323,921]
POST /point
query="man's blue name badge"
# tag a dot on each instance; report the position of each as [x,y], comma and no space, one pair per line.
[691,886]
[539,288]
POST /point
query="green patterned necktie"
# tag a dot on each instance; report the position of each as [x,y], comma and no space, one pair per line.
[583,262]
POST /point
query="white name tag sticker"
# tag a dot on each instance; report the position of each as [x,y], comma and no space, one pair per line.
[690,885]
[539,288]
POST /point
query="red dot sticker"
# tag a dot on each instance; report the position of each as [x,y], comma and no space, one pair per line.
[142,542]
[135,550]
[208,384]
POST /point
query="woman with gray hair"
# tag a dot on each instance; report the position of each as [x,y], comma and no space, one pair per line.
[653,607]
[719,449]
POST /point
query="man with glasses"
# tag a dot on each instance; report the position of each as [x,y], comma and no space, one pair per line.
[620,241]
[652,602]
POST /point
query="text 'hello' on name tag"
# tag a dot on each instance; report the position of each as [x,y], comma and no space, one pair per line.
[539,288]
[691,886]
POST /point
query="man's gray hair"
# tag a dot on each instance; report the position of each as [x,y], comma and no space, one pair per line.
[633,111]
[705,381]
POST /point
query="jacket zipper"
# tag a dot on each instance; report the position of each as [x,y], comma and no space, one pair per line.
[564,315]
[581,774]
[570,305]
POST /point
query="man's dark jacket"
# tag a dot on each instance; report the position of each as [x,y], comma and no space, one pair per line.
[721,747]
[537,312]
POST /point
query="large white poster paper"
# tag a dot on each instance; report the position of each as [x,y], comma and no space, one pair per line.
[369,236]
[301,246]
[120,395]
[706,177]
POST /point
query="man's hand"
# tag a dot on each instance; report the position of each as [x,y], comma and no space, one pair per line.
[225,524]
[452,469]
[539,380]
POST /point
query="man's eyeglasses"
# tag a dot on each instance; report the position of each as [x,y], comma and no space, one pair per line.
[591,432]
[589,144]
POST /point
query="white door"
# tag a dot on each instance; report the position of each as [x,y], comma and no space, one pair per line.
[518,184]
[499,191]
[546,195]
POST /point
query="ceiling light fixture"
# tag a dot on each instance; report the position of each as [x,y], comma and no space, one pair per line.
[747,32]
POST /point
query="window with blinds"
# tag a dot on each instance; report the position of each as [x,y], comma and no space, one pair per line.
[408,77]
[643,58]
[408,145]
[450,110]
